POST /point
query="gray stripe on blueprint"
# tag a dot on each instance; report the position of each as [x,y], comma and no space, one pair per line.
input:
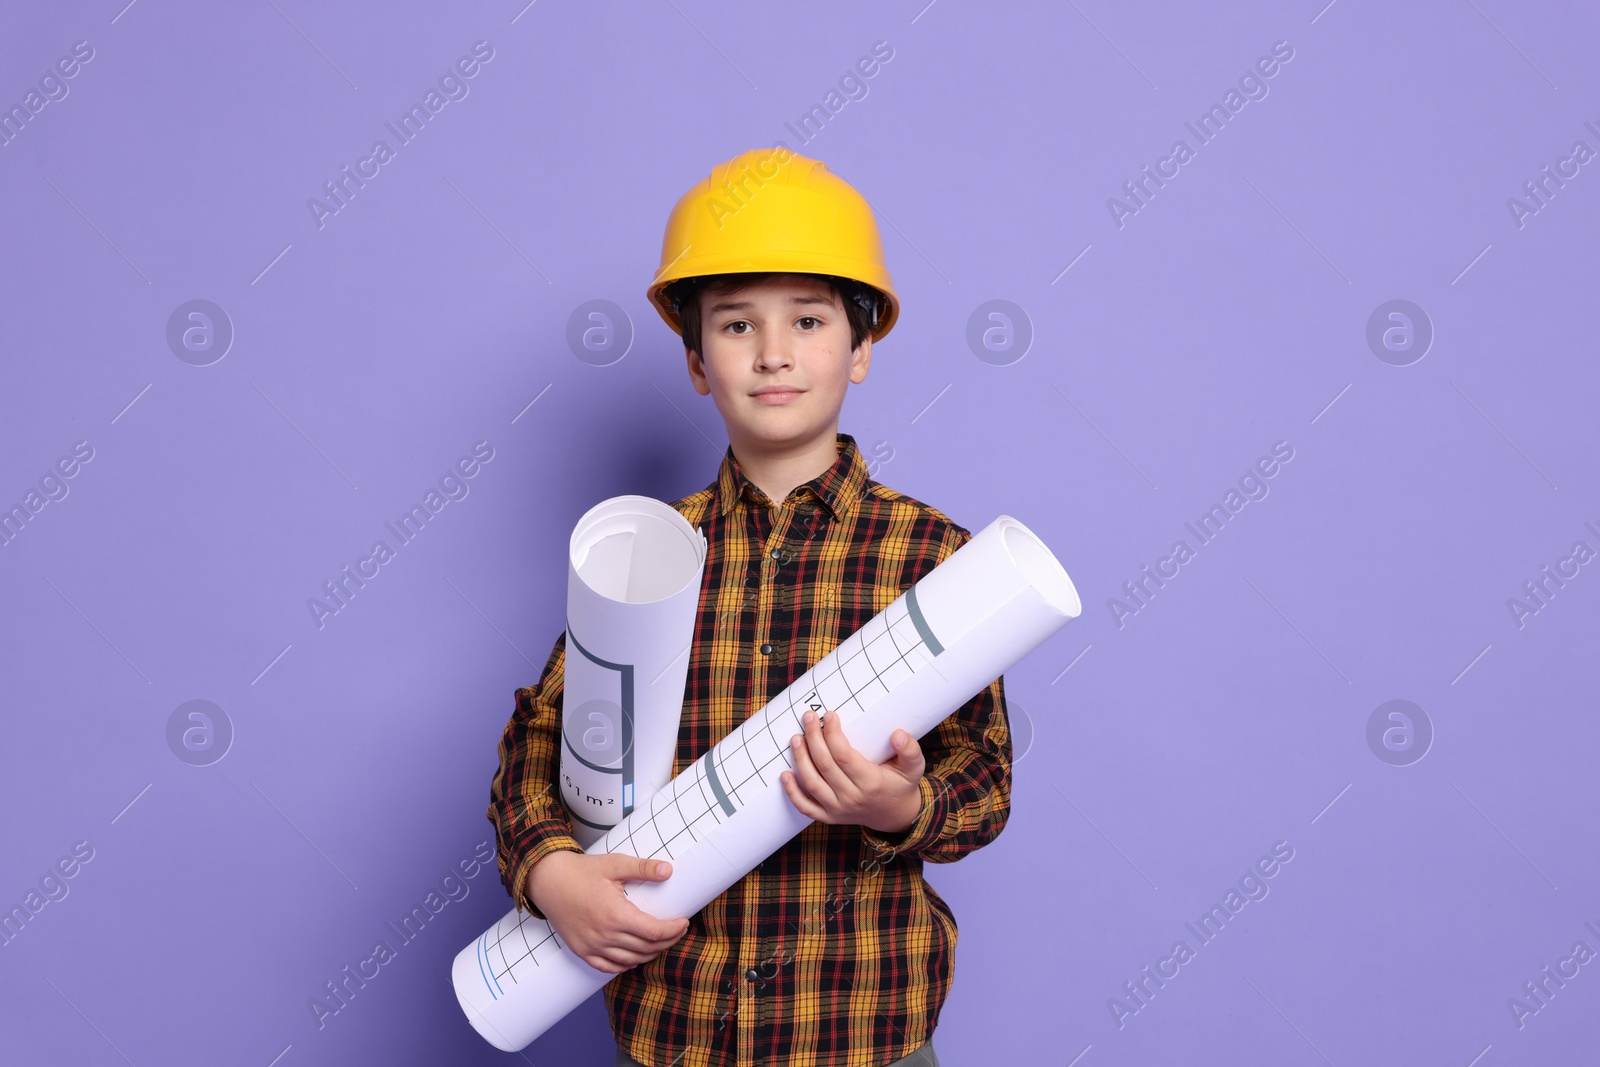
[921,623]
[716,783]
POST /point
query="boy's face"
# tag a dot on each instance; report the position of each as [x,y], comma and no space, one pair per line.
[788,331]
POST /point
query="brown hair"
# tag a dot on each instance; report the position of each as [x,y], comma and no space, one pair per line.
[861,301]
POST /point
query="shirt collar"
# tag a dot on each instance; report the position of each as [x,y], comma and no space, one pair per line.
[837,488]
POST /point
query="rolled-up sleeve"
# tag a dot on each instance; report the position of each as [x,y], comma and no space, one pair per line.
[529,818]
[966,787]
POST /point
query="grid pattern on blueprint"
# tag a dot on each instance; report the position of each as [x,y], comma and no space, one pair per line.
[869,663]
[888,650]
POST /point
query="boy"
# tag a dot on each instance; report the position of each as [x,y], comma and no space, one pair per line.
[834,951]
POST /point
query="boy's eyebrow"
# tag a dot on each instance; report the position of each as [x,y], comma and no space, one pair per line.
[745,305]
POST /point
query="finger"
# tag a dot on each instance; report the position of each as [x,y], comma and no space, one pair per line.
[797,796]
[621,941]
[631,948]
[600,961]
[649,929]
[805,771]
[626,868]
[617,960]
[628,941]
[816,743]
[834,756]
[910,754]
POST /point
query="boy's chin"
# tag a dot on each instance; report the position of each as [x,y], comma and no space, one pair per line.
[778,431]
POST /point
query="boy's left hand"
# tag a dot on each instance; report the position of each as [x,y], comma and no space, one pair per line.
[834,783]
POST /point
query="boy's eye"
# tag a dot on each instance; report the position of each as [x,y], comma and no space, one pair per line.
[739,327]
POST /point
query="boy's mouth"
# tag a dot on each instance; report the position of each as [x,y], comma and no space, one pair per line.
[772,396]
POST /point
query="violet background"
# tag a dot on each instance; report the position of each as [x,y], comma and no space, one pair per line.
[1156,760]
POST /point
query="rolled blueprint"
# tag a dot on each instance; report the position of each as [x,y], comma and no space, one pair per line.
[943,640]
[634,567]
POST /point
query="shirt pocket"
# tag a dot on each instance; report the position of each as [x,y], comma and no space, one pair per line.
[855,603]
[822,620]
[831,612]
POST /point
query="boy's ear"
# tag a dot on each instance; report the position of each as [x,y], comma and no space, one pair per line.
[860,360]
[697,372]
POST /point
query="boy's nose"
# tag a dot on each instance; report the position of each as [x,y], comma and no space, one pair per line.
[776,351]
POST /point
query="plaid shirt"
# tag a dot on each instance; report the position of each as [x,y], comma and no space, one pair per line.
[834,951]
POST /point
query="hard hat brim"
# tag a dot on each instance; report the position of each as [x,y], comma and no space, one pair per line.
[797,219]
[795,263]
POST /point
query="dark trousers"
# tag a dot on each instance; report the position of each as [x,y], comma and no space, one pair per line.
[922,1057]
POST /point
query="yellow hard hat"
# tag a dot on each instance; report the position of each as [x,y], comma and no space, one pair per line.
[771,209]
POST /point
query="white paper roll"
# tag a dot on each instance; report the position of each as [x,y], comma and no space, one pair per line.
[634,566]
[943,640]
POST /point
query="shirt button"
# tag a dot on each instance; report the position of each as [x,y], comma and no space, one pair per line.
[777,553]
[751,974]
[766,650]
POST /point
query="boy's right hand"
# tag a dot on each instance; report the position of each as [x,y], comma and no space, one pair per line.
[582,899]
